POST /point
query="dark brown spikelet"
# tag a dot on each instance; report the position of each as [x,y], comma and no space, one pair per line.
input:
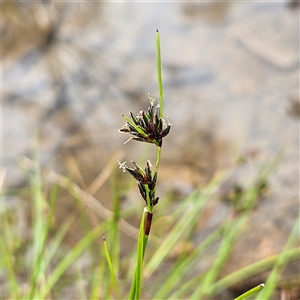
[144,178]
[147,126]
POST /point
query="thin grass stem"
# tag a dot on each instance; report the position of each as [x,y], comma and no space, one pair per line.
[40,265]
[111,269]
[135,289]
[158,156]
[251,292]
[231,231]
[185,264]
[252,270]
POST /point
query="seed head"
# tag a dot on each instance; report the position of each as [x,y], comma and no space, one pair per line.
[147,126]
[143,178]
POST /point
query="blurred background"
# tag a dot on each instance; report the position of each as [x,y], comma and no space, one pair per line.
[231,88]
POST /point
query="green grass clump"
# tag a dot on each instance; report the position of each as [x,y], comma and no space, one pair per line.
[168,273]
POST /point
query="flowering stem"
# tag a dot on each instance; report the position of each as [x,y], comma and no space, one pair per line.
[148,220]
[146,127]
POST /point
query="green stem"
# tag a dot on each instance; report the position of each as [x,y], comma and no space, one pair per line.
[136,285]
[250,292]
[158,154]
[159,76]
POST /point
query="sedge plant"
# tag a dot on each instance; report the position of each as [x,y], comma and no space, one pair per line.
[150,127]
[183,279]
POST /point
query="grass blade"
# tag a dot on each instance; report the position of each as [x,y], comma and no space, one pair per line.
[69,259]
[40,264]
[111,269]
[39,235]
[205,287]
[184,266]
[6,261]
[252,270]
[136,285]
[251,292]
[280,264]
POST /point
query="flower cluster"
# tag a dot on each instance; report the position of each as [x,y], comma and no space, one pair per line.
[147,126]
[144,179]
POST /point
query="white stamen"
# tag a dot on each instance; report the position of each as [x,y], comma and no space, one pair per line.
[122,165]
